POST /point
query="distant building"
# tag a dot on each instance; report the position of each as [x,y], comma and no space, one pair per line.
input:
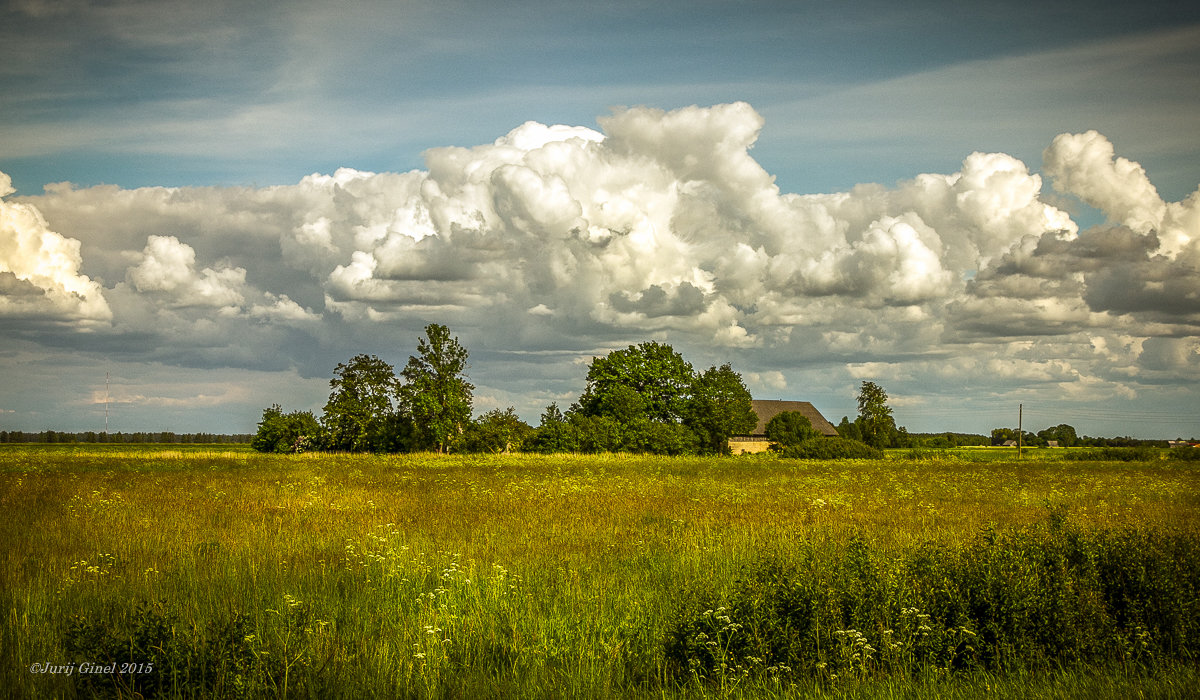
[1052,443]
[766,410]
[1009,443]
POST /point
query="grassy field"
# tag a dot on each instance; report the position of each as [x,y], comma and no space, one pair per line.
[218,572]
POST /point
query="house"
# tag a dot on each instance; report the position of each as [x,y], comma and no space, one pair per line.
[766,410]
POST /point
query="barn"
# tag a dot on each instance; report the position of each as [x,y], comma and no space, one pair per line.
[768,409]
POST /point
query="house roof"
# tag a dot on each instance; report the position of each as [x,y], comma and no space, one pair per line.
[767,409]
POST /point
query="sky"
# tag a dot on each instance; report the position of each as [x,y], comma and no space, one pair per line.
[984,210]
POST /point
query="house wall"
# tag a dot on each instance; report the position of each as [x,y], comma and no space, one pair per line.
[745,446]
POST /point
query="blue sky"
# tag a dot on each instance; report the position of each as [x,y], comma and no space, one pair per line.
[801,221]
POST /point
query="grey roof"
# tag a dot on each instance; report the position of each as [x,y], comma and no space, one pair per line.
[767,409]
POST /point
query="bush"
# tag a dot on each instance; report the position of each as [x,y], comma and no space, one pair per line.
[285,433]
[790,428]
[1044,596]
[151,653]
[831,448]
[652,437]
[1115,454]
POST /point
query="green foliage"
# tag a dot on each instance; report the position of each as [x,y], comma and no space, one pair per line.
[946,440]
[1023,438]
[650,437]
[596,434]
[437,394]
[1063,433]
[1038,597]
[658,374]
[294,432]
[623,404]
[720,406]
[1120,454]
[497,432]
[1184,454]
[848,430]
[790,428]
[875,421]
[554,433]
[651,401]
[358,413]
[149,652]
[830,448]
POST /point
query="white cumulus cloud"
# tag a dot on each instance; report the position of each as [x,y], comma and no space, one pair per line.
[659,225]
[39,269]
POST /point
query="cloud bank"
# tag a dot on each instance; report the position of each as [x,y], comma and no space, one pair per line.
[555,242]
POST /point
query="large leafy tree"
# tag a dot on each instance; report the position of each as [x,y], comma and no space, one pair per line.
[721,406]
[875,420]
[436,392]
[1063,433]
[790,428]
[360,412]
[659,375]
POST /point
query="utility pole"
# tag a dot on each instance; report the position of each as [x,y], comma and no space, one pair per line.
[106,383]
[1020,427]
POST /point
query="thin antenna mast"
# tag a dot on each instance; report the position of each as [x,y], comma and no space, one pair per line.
[1020,427]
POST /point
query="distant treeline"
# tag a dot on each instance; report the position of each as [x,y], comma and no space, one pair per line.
[1000,435]
[946,440]
[54,436]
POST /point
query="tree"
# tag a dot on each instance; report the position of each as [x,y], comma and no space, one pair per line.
[721,406]
[437,394]
[360,408]
[1063,433]
[657,373]
[497,431]
[595,434]
[293,432]
[790,428]
[875,419]
[624,405]
[555,433]
[656,437]
[848,430]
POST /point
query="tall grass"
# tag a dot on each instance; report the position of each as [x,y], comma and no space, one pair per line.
[242,575]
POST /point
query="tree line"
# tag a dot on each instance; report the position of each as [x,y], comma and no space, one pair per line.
[646,398]
[1066,436]
[91,436]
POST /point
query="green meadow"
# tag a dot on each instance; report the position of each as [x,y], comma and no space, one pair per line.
[214,571]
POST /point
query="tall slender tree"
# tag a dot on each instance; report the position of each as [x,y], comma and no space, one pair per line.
[875,416]
[436,392]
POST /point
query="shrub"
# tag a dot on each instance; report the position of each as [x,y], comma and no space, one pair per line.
[1044,596]
[831,448]
[1115,454]
[790,428]
[285,433]
[151,653]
